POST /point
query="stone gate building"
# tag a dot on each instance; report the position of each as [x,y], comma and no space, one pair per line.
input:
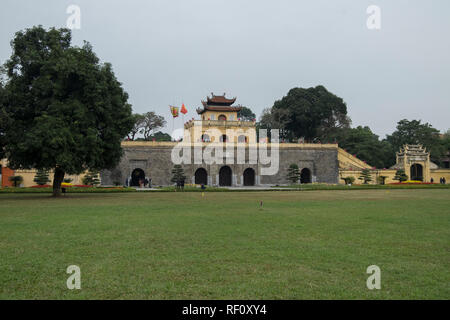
[220,127]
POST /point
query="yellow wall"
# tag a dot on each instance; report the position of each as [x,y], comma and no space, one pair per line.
[28,176]
[347,161]
[214,115]
[436,174]
[215,129]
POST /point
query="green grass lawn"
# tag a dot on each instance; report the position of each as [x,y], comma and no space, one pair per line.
[300,245]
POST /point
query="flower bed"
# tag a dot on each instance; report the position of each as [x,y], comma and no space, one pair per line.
[410,182]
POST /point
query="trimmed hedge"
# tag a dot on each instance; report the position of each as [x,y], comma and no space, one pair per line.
[68,190]
[305,187]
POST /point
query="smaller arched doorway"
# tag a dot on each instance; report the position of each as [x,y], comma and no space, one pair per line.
[225,176]
[223,138]
[222,117]
[249,177]
[416,172]
[201,176]
[305,176]
[206,138]
[137,178]
[242,139]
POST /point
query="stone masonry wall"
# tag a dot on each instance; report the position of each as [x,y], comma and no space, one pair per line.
[155,160]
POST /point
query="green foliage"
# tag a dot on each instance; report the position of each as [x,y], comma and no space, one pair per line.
[363,143]
[68,180]
[246,114]
[41,177]
[3,122]
[151,123]
[365,176]
[16,180]
[177,174]
[146,124]
[415,132]
[309,113]
[348,180]
[67,110]
[160,136]
[400,175]
[293,173]
[138,123]
[68,190]
[91,178]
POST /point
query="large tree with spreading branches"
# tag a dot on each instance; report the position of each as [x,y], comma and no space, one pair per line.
[66,111]
[312,113]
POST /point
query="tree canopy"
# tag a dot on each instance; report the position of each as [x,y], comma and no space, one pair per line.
[246,114]
[67,111]
[307,113]
[3,121]
[138,123]
[415,132]
[151,123]
[363,143]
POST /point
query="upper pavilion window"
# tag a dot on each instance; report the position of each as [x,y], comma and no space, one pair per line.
[222,117]
[242,139]
[224,138]
[206,138]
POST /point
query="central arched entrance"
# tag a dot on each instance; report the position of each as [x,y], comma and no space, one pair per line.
[305,176]
[137,177]
[416,172]
[225,176]
[201,176]
[249,177]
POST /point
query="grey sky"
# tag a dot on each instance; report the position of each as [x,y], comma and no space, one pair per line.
[168,52]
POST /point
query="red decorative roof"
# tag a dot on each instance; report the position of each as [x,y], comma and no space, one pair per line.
[218,103]
[219,100]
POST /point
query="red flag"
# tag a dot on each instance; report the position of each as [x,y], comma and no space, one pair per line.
[183,109]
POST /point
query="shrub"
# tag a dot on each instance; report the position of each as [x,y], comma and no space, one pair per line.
[16,180]
[348,180]
[178,176]
[400,175]
[91,178]
[365,176]
[293,174]
[41,177]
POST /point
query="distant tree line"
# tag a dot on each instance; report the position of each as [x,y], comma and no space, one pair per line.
[317,115]
[145,126]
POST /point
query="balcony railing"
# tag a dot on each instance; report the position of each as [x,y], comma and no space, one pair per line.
[219,123]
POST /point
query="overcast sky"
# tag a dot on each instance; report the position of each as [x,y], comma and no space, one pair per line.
[168,52]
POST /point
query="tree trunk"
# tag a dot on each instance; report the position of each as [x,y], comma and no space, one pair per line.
[57,180]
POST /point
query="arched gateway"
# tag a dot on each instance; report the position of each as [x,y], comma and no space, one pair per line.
[416,172]
[137,177]
[305,176]
[249,177]
[201,176]
[225,176]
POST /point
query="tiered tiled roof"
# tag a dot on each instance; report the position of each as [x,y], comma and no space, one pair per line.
[218,103]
